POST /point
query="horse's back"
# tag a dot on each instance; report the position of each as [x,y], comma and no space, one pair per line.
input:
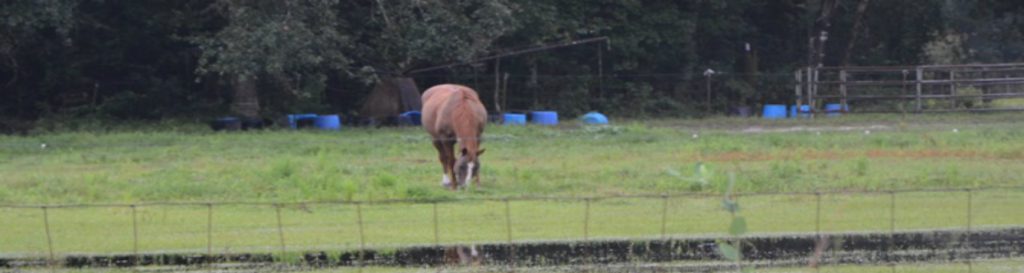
[439,102]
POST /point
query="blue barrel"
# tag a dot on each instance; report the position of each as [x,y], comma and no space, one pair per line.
[328,122]
[833,109]
[544,117]
[514,119]
[805,111]
[296,120]
[799,112]
[774,111]
[410,118]
[594,118]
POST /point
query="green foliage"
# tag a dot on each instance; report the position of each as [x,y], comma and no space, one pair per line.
[395,35]
[141,59]
[267,36]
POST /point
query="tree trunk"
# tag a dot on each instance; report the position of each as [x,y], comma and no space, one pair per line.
[821,25]
[862,6]
[247,101]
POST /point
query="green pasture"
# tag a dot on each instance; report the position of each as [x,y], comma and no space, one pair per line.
[187,163]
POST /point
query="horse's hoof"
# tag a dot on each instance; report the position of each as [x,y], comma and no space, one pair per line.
[445,181]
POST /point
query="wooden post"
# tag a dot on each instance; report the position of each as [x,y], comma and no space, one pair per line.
[497,85]
[842,90]
[707,102]
[814,89]
[600,72]
[799,95]
[917,83]
[952,86]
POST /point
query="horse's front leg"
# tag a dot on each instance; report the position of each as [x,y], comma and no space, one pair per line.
[449,154]
[445,160]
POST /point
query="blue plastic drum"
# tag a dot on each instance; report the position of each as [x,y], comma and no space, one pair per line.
[549,118]
[328,122]
[833,109]
[410,118]
[301,119]
[594,118]
[514,119]
[774,111]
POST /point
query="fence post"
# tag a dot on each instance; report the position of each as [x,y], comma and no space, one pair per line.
[135,236]
[817,215]
[586,219]
[799,95]
[917,83]
[952,86]
[970,197]
[437,239]
[508,229]
[586,231]
[842,90]
[49,238]
[892,230]
[209,233]
[812,88]
[280,229]
[362,237]
[664,215]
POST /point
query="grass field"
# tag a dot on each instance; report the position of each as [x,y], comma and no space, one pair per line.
[188,163]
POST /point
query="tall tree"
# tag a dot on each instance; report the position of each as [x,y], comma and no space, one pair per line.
[282,39]
[393,36]
[28,30]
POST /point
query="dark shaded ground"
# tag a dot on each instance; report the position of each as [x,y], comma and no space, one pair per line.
[696,254]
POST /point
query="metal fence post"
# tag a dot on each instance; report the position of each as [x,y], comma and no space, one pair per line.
[586,231]
[362,237]
[209,233]
[586,219]
[437,238]
[817,215]
[664,215]
[49,238]
[280,229]
[817,227]
[892,230]
[508,230]
[135,236]
[970,197]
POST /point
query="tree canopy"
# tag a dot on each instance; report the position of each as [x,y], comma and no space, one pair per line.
[152,59]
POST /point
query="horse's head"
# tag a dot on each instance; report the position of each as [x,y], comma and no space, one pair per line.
[467,167]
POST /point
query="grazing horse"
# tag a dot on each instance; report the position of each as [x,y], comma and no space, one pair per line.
[453,113]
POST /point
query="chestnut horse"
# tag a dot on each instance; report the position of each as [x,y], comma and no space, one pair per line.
[453,113]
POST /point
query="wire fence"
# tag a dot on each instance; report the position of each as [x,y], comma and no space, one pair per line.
[55,231]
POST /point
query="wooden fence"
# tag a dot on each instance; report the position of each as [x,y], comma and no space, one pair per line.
[924,88]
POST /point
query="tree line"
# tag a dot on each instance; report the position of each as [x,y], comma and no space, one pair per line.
[150,59]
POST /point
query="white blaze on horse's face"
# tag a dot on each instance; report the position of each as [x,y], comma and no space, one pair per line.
[465,170]
[469,174]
